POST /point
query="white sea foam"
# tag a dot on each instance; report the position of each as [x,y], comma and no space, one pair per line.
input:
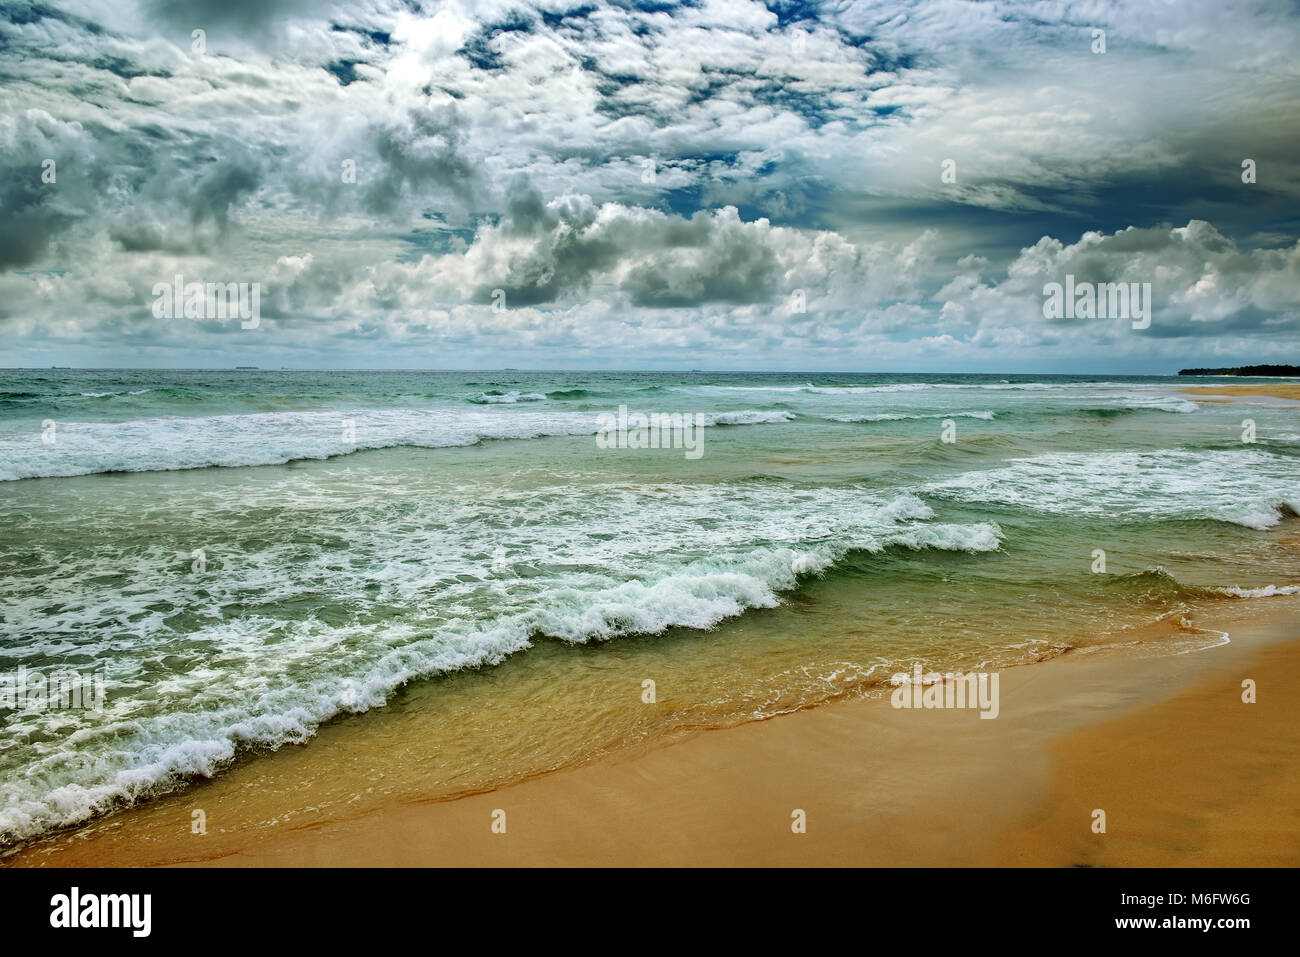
[867,389]
[749,388]
[748,417]
[900,416]
[280,634]
[162,444]
[1159,403]
[1247,487]
[506,398]
[1265,591]
[860,389]
[1065,388]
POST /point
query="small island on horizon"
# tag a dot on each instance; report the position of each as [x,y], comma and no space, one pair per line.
[1246,371]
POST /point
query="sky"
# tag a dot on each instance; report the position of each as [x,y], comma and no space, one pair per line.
[648,184]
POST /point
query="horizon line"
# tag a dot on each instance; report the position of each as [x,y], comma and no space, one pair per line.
[232,368]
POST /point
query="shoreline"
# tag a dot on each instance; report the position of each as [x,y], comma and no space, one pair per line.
[1286,391]
[879,786]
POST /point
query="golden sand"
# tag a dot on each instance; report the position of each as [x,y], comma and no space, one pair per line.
[1204,780]
[1226,393]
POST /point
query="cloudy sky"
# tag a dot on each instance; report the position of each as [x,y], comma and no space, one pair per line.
[714,184]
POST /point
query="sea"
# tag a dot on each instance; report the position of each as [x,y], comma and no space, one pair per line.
[238,559]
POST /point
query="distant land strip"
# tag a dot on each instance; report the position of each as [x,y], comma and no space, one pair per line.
[1245,370]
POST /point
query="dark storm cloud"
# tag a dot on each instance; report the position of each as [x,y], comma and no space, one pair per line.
[241,14]
[221,189]
[50,179]
[561,257]
[424,150]
[22,13]
[29,221]
[703,264]
[668,260]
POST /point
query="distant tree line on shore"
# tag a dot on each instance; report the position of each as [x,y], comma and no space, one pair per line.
[1245,370]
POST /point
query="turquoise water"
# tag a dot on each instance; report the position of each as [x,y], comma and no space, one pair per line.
[242,556]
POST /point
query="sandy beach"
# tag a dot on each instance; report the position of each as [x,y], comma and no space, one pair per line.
[1187,773]
[1200,780]
[1230,393]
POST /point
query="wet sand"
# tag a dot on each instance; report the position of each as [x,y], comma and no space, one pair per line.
[1229,393]
[1204,779]
[1188,775]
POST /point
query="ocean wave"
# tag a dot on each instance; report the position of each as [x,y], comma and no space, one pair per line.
[1109,411]
[1159,582]
[748,417]
[275,438]
[1066,388]
[1160,403]
[867,389]
[472,593]
[750,388]
[505,398]
[1263,591]
[1250,488]
[900,416]
[56,398]
[106,395]
[819,389]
